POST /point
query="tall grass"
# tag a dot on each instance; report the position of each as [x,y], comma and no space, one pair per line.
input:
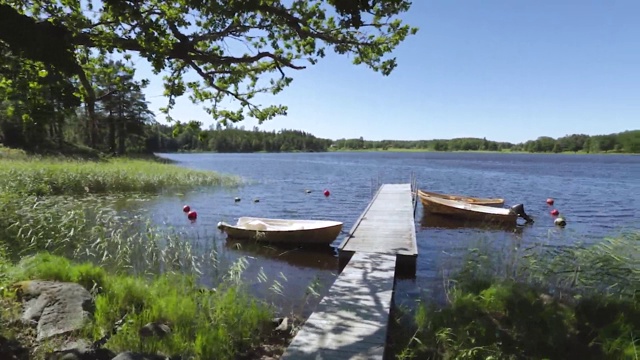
[55,209]
[203,324]
[90,229]
[49,176]
[554,303]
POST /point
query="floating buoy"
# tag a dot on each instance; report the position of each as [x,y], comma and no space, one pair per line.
[237,199]
[550,201]
[327,193]
[308,191]
[186,208]
[555,212]
[192,215]
[560,221]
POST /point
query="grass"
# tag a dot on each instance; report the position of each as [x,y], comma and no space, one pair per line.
[90,229]
[53,176]
[225,322]
[53,209]
[574,302]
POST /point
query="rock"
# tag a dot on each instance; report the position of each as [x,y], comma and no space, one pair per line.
[56,307]
[154,329]
[281,324]
[128,355]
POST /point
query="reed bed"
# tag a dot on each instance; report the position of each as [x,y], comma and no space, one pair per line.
[54,176]
[578,302]
[52,210]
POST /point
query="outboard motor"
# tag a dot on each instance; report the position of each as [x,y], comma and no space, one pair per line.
[519,210]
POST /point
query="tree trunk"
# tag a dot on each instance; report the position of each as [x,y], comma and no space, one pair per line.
[122,133]
[112,133]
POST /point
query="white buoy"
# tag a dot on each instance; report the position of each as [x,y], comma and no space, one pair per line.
[560,221]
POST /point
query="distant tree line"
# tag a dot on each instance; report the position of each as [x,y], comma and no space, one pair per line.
[623,142]
[190,137]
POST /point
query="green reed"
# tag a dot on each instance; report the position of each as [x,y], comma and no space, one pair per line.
[90,229]
[52,176]
[563,302]
[55,209]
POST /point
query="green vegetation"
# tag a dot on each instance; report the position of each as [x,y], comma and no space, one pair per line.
[67,177]
[189,137]
[225,322]
[133,268]
[540,303]
[60,84]
[624,142]
[69,208]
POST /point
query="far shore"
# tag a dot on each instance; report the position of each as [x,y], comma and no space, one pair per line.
[479,151]
[404,150]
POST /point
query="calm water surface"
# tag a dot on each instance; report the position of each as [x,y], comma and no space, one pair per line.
[598,194]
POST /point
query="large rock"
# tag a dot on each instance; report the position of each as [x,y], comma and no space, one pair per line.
[57,307]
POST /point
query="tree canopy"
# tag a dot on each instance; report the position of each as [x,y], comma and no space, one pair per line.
[623,142]
[272,38]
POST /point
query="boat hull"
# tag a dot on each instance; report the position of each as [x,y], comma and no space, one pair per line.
[472,200]
[470,212]
[295,232]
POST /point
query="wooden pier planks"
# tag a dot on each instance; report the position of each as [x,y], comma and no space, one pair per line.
[387,225]
[351,321]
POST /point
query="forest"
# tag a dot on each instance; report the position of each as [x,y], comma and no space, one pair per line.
[68,79]
[623,142]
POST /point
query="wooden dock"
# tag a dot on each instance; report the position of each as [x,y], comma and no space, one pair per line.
[351,321]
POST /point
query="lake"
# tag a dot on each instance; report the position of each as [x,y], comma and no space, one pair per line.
[598,194]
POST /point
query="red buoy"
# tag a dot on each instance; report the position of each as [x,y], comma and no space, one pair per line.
[327,193]
[555,212]
[550,201]
[186,208]
[192,215]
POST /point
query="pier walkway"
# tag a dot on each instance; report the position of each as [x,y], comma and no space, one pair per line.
[351,321]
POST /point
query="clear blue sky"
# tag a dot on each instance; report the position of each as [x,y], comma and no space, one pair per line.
[501,69]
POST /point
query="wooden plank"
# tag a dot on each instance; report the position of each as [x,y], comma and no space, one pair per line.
[387,224]
[351,321]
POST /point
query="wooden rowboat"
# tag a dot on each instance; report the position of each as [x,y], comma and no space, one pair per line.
[473,212]
[471,200]
[298,232]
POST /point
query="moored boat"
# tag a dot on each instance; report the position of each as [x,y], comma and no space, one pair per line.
[298,232]
[469,199]
[474,212]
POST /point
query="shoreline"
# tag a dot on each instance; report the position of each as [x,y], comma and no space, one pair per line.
[401,150]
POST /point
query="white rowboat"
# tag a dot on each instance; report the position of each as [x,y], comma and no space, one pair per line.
[299,232]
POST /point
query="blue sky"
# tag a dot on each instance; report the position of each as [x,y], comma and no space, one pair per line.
[501,69]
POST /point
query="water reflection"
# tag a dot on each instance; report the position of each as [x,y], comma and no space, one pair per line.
[319,258]
[447,222]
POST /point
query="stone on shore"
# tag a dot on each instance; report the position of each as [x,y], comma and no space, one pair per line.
[56,307]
